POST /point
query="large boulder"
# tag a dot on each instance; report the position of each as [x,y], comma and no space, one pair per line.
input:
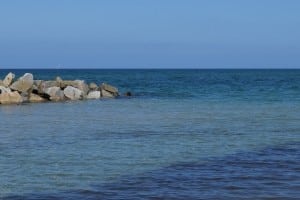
[113,90]
[23,84]
[33,98]
[94,95]
[10,98]
[4,89]
[55,93]
[8,79]
[73,93]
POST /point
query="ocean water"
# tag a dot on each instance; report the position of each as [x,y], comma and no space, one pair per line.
[185,134]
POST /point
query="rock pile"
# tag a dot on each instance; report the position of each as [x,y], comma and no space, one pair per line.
[26,89]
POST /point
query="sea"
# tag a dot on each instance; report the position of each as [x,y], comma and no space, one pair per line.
[184,134]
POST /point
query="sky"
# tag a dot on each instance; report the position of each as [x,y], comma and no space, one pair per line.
[150,34]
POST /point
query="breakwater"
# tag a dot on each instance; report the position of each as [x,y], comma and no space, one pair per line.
[27,89]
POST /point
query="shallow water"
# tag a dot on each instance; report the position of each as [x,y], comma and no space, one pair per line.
[185,134]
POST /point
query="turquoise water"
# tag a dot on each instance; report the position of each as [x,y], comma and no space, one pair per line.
[185,134]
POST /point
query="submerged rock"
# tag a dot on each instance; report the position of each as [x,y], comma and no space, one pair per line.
[10,98]
[23,84]
[73,93]
[128,94]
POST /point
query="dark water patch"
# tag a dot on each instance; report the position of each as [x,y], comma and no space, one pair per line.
[271,173]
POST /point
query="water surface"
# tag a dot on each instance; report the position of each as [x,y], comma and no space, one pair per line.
[195,134]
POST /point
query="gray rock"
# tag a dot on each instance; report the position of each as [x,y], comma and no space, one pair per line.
[23,84]
[44,85]
[55,93]
[106,94]
[113,90]
[33,98]
[73,93]
[8,79]
[93,86]
[94,95]
[4,89]
[10,98]
[79,84]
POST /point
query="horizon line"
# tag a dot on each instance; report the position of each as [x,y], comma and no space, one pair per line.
[146,68]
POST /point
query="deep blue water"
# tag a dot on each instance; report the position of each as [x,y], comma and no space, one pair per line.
[185,134]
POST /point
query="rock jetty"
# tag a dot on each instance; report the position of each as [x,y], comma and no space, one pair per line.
[27,89]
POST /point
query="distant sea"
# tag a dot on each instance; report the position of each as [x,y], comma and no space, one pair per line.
[184,134]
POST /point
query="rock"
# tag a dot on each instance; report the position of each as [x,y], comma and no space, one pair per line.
[113,90]
[25,89]
[55,93]
[8,79]
[23,84]
[4,89]
[44,85]
[58,79]
[93,86]
[33,98]
[25,96]
[106,94]
[128,94]
[79,84]
[10,98]
[73,93]
[94,95]
[37,82]
[35,89]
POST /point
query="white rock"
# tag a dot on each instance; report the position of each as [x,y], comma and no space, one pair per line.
[94,95]
[73,93]
[55,93]
[79,84]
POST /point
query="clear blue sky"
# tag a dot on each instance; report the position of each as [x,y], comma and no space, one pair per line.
[150,33]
